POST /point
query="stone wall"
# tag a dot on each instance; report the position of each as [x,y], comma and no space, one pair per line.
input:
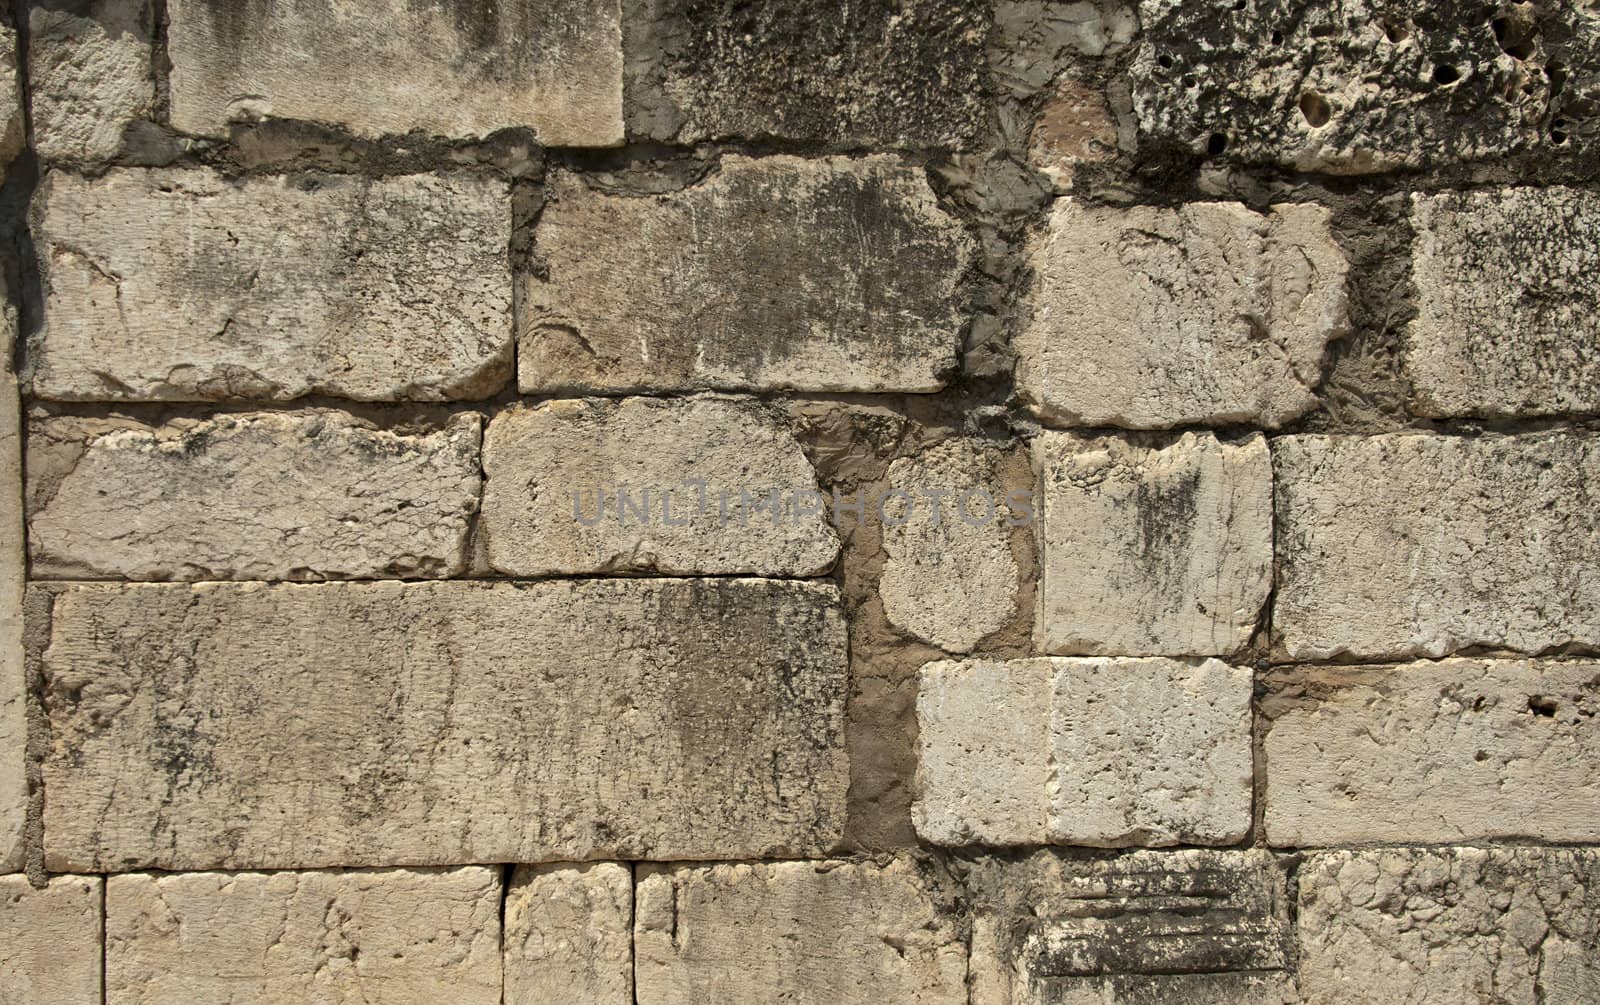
[1042,502]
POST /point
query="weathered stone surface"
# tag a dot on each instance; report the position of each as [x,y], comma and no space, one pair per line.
[89,75]
[1148,318]
[296,726]
[1062,751]
[569,935]
[1411,544]
[1507,303]
[949,577]
[1408,926]
[1360,86]
[698,473]
[50,941]
[850,933]
[873,74]
[1075,127]
[13,126]
[832,274]
[1459,750]
[454,70]
[179,285]
[13,575]
[1197,927]
[396,935]
[1152,549]
[258,495]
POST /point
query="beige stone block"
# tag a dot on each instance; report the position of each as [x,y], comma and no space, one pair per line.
[252,726]
[569,934]
[394,935]
[847,933]
[1147,318]
[258,495]
[181,285]
[13,575]
[457,70]
[829,274]
[699,476]
[50,941]
[90,76]
[1152,549]
[13,124]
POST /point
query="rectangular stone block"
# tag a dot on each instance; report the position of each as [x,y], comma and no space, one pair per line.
[181,285]
[1458,750]
[256,495]
[569,934]
[849,933]
[1149,318]
[1507,300]
[50,941]
[677,486]
[90,76]
[13,577]
[1517,926]
[1062,751]
[299,726]
[1411,544]
[858,75]
[780,272]
[396,935]
[456,70]
[1197,926]
[1152,547]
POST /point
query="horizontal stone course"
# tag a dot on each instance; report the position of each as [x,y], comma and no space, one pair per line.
[227,726]
[50,940]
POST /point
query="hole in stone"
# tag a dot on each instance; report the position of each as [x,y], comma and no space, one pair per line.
[1557,73]
[1540,705]
[1558,131]
[1164,61]
[1216,144]
[1394,31]
[1444,75]
[1515,37]
[1277,38]
[1315,109]
[1238,4]
[1190,82]
[1482,755]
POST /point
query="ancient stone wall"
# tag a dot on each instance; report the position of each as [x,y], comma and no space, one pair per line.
[1030,502]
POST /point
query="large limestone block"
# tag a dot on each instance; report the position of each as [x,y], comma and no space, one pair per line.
[180,285]
[1507,301]
[457,70]
[1415,926]
[679,486]
[50,941]
[1149,318]
[829,274]
[1459,750]
[569,934]
[949,575]
[1196,927]
[13,125]
[1361,86]
[1100,752]
[874,74]
[90,76]
[847,933]
[396,936]
[1152,549]
[13,576]
[258,495]
[297,726]
[1411,544]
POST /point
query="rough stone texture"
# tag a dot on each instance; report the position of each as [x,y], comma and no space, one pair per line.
[296,726]
[1063,751]
[569,935]
[1411,544]
[1147,318]
[1074,128]
[178,285]
[698,474]
[13,575]
[777,272]
[89,76]
[1359,86]
[396,936]
[50,941]
[870,74]
[1459,750]
[1507,302]
[13,125]
[262,495]
[949,577]
[1196,927]
[396,66]
[1152,549]
[849,933]
[1409,926]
